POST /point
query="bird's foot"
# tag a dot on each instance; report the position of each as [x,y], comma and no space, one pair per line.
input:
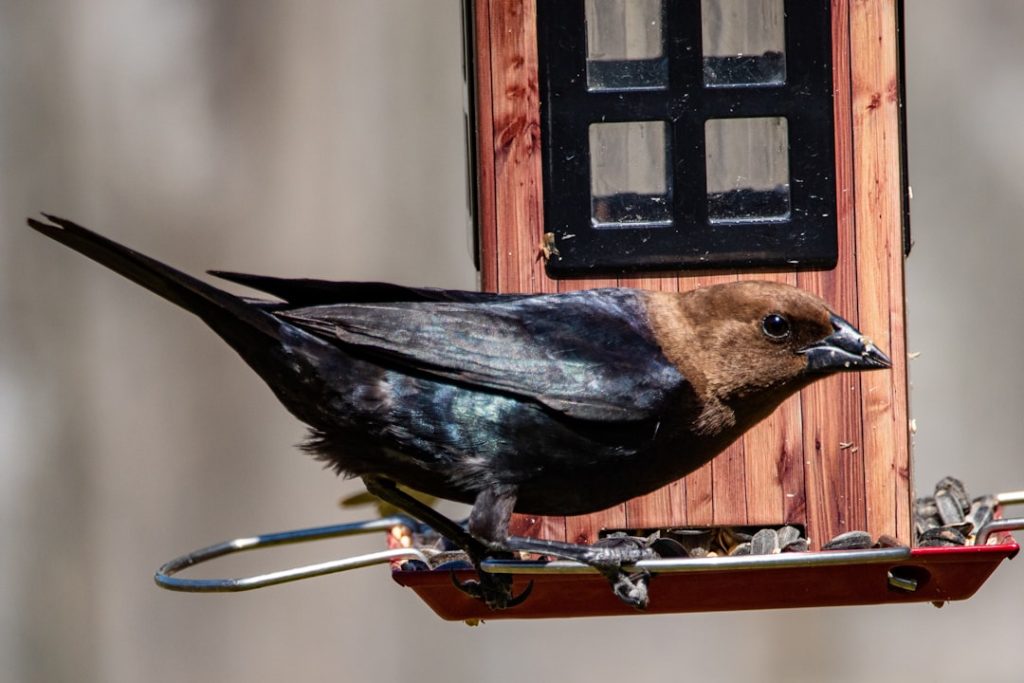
[495,590]
[609,555]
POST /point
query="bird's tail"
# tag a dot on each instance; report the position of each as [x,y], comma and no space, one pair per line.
[274,349]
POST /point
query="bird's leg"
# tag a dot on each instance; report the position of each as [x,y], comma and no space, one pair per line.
[494,589]
[386,490]
[489,521]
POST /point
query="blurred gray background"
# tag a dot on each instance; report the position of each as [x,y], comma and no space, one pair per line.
[325,139]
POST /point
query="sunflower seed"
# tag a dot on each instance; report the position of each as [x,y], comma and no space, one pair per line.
[944,537]
[851,540]
[694,540]
[981,512]
[955,488]
[741,549]
[887,541]
[669,547]
[800,545]
[787,535]
[765,542]
[925,507]
[949,507]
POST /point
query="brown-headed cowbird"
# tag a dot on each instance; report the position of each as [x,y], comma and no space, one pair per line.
[552,404]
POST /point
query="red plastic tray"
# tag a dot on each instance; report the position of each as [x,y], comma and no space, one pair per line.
[942,574]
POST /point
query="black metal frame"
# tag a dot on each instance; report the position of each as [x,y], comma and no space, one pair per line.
[807,237]
[469,81]
[908,241]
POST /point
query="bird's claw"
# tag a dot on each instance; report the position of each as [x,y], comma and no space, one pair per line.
[631,588]
[494,591]
[609,558]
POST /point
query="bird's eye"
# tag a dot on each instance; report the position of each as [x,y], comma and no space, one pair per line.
[775,326]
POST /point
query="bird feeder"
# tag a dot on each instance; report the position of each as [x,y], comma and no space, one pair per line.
[674,144]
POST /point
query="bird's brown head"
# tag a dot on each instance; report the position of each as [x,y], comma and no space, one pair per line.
[752,344]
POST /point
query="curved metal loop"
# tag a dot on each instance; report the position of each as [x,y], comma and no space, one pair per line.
[996,525]
[165,578]
[1010,524]
[1010,498]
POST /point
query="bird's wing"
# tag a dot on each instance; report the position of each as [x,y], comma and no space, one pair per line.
[589,355]
[310,292]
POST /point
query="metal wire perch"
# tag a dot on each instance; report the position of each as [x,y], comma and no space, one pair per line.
[165,575]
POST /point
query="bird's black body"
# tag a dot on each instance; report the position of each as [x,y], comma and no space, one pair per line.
[452,398]
[547,404]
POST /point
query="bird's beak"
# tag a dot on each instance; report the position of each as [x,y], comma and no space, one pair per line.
[845,349]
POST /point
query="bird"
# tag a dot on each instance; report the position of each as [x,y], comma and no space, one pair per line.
[545,404]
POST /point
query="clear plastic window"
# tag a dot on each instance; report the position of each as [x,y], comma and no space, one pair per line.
[747,169]
[629,183]
[744,42]
[625,45]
